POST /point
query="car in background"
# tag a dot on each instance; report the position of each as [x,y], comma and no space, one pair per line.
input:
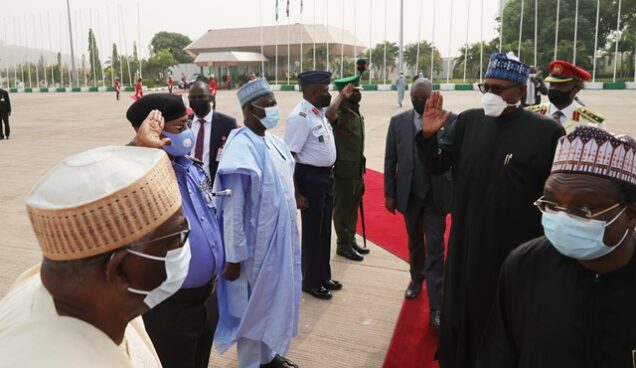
[194,78]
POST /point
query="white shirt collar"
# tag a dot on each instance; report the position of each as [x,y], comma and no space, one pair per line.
[568,111]
[207,118]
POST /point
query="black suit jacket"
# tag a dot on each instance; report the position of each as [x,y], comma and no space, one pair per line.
[221,126]
[5,106]
[399,164]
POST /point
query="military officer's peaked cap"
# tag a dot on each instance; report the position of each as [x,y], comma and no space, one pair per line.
[562,72]
[342,83]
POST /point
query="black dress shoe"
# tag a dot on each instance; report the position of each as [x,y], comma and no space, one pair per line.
[435,318]
[413,290]
[320,292]
[359,249]
[332,285]
[350,254]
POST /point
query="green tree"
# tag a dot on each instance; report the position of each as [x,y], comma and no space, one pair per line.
[156,67]
[174,43]
[115,61]
[93,52]
[321,59]
[410,57]
[473,65]
[546,22]
[377,57]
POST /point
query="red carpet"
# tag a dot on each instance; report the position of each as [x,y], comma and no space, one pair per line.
[414,342]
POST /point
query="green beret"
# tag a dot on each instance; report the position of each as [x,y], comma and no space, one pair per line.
[341,83]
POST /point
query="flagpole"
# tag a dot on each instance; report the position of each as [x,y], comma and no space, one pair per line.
[15,60]
[384,70]
[139,41]
[576,29]
[598,8]
[342,41]
[276,48]
[419,39]
[92,46]
[433,39]
[370,38]
[355,34]
[466,47]
[22,63]
[37,61]
[288,46]
[520,30]
[556,32]
[26,39]
[123,29]
[6,61]
[110,48]
[46,80]
[481,41]
[618,25]
[101,64]
[328,33]
[301,36]
[501,14]
[61,47]
[536,14]
[48,23]
[260,19]
[450,34]
[314,34]
[83,48]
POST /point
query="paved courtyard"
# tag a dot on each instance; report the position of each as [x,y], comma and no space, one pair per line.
[353,329]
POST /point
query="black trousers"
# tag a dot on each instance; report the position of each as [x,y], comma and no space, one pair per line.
[425,226]
[4,119]
[316,184]
[214,102]
[182,327]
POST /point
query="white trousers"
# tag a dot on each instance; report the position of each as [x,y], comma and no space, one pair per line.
[252,353]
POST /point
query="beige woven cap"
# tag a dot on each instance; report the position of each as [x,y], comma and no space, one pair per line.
[102,199]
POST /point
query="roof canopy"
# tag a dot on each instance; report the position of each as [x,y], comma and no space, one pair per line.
[229,58]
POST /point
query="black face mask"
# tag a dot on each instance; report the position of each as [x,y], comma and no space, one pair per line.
[325,100]
[559,97]
[200,107]
[418,106]
[355,99]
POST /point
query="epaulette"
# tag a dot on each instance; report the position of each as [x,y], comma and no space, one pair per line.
[196,161]
[539,109]
[589,115]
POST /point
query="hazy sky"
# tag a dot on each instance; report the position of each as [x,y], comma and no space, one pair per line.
[195,17]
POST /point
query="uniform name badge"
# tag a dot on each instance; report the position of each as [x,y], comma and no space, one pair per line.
[319,132]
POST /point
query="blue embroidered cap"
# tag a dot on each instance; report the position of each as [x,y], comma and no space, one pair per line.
[508,67]
[252,90]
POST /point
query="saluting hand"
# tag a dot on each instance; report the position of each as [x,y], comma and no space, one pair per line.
[347,91]
[149,133]
[434,116]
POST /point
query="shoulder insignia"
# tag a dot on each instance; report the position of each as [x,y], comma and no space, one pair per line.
[589,115]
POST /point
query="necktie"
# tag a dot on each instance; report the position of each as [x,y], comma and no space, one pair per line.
[198,147]
[557,116]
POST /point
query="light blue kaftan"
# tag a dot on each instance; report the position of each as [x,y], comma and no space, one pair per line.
[260,231]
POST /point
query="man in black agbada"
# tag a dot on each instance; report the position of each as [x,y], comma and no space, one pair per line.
[5,112]
[501,156]
[567,299]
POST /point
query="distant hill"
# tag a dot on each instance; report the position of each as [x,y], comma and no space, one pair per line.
[23,54]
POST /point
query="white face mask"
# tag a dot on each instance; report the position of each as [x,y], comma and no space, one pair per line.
[177,262]
[494,105]
[579,239]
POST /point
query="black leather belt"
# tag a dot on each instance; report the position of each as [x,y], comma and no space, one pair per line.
[319,169]
[197,293]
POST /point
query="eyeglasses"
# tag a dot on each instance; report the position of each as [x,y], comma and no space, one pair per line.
[575,212]
[183,236]
[496,89]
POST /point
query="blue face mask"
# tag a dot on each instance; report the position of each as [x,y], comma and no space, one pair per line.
[272,114]
[182,143]
[578,239]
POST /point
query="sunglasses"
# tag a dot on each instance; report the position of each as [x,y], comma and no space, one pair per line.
[496,89]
